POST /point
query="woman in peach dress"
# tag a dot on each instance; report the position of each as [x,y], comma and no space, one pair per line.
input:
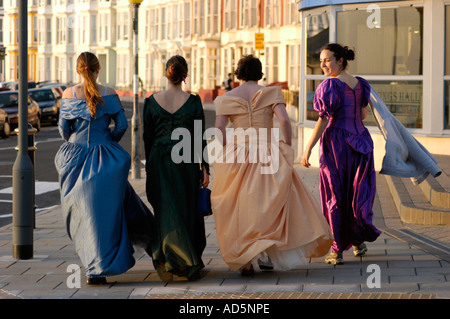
[264,214]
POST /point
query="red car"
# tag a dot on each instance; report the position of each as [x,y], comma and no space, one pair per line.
[9,102]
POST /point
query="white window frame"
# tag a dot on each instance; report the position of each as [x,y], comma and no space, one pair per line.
[432,123]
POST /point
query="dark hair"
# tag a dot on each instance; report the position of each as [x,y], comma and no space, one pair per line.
[176,69]
[339,52]
[87,66]
[249,68]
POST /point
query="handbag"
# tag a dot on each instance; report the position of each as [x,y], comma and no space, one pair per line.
[203,199]
[204,202]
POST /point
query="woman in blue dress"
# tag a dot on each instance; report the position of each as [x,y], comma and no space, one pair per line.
[104,217]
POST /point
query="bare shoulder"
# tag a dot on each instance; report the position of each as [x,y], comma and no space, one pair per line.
[110,91]
[67,94]
[106,90]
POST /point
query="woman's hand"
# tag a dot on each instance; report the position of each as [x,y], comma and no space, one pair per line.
[305,158]
[320,127]
[205,178]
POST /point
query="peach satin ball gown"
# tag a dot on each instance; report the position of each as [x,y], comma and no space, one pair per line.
[263,215]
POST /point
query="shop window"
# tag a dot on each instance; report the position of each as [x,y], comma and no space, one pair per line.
[447,104]
[403,99]
[318,34]
[391,46]
[447,69]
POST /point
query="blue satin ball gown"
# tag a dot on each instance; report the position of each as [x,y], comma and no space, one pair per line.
[104,216]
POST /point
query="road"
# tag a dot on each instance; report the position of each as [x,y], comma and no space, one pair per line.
[47,142]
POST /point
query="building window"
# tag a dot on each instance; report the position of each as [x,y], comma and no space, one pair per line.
[187,19]
[291,12]
[1,30]
[392,46]
[48,68]
[273,13]
[123,70]
[41,72]
[163,24]
[447,69]
[35,30]
[175,20]
[57,68]
[293,66]
[69,74]
[317,35]
[104,28]
[61,30]
[41,31]
[275,64]
[249,13]
[122,26]
[202,17]
[388,54]
[389,47]
[70,28]
[154,19]
[49,31]
[93,30]
[212,16]
[16,30]
[230,15]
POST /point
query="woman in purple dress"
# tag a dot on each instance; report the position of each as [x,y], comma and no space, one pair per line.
[347,175]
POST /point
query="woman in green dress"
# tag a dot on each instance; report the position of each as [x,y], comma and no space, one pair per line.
[174,123]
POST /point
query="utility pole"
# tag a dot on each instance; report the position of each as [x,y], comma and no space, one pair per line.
[23,171]
[135,120]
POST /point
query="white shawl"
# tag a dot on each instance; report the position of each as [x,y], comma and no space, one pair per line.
[405,156]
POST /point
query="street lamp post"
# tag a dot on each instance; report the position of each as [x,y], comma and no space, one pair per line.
[23,171]
[135,120]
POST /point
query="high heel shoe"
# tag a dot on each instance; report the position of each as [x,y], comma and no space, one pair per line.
[360,250]
[247,271]
[92,281]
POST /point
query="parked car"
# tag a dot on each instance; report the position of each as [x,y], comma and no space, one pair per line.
[58,86]
[49,100]
[6,85]
[5,129]
[15,85]
[9,102]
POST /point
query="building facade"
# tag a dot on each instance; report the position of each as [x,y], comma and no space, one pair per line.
[211,34]
[402,49]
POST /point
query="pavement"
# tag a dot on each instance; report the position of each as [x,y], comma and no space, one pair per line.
[407,261]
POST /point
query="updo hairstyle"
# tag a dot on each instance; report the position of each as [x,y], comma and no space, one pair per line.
[339,52]
[176,69]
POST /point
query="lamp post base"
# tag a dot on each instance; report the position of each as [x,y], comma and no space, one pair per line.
[22,251]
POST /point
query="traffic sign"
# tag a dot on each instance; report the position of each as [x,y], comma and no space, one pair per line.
[259,41]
